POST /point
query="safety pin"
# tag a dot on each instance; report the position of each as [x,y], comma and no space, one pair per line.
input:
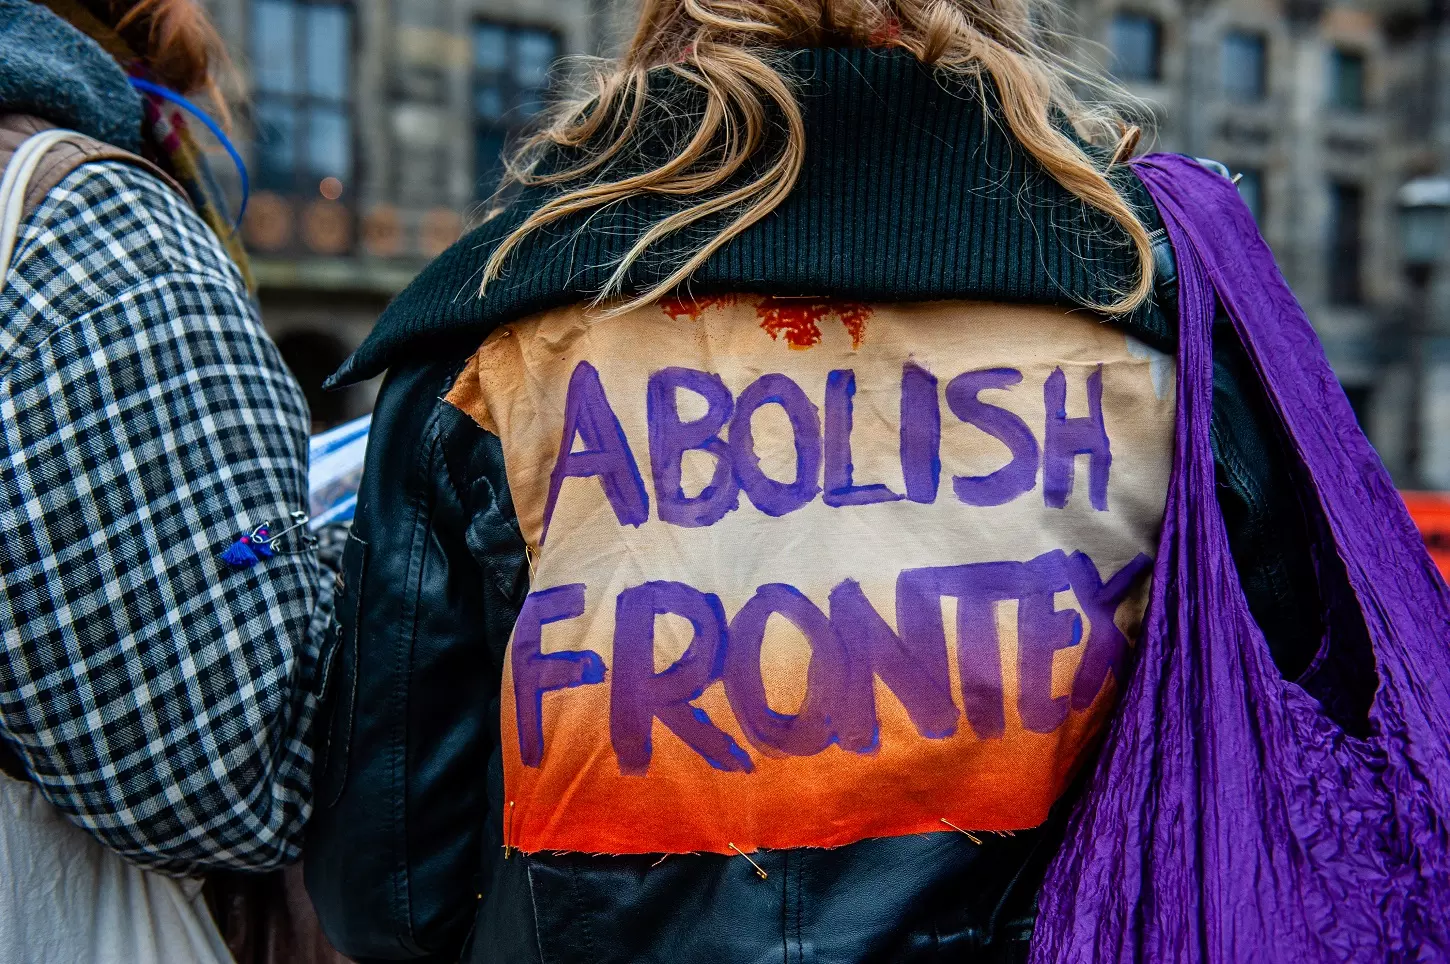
[970,836]
[252,548]
[508,830]
[760,871]
[260,534]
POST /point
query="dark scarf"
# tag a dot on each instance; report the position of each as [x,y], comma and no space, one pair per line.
[911,191]
[64,65]
[51,70]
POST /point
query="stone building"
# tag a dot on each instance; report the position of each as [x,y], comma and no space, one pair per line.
[371,133]
[1314,104]
[375,126]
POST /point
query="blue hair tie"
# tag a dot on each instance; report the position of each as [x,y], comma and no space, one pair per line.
[211,125]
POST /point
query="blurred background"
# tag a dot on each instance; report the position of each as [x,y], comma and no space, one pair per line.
[374,128]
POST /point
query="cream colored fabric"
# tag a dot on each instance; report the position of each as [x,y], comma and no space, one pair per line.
[65,899]
[923,645]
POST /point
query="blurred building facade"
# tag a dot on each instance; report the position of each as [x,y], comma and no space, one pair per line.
[1325,109]
[374,128]
[372,132]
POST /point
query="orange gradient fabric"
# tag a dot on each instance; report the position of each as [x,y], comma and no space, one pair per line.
[807,572]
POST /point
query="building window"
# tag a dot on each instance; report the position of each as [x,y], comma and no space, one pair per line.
[1251,189]
[1245,67]
[1136,41]
[1345,242]
[510,78]
[1346,80]
[302,63]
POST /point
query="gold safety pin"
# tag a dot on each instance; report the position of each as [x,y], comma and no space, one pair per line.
[760,872]
[970,836]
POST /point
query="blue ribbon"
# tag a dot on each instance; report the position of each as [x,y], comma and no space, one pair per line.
[211,125]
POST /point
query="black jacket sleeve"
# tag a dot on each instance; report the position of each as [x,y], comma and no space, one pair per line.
[433,575]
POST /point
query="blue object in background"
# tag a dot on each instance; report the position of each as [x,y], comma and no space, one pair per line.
[334,471]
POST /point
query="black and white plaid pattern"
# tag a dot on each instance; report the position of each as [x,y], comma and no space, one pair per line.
[159,699]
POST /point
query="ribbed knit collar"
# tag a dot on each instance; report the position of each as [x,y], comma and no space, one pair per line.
[910,191]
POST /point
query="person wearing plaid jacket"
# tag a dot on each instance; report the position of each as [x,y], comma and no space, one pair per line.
[158,698]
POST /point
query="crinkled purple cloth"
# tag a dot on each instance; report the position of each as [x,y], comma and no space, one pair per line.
[1228,819]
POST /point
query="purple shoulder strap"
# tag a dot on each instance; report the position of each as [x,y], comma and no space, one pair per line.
[1228,818]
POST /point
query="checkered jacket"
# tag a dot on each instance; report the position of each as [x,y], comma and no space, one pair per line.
[160,700]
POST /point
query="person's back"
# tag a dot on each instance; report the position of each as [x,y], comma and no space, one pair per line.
[785,604]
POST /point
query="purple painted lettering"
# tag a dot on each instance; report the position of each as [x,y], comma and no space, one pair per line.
[841,489]
[920,433]
[606,454]
[808,731]
[1067,438]
[978,588]
[1043,629]
[912,665]
[1107,647]
[769,496]
[536,673]
[1019,475]
[670,439]
[639,695]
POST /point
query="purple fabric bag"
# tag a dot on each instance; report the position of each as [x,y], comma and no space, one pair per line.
[1228,818]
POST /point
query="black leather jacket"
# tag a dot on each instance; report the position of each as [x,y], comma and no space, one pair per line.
[434,574]
[908,193]
[410,791]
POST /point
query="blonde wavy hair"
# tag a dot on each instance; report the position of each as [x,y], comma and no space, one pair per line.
[729,49]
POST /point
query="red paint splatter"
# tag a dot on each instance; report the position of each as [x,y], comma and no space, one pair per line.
[693,308]
[887,33]
[853,315]
[798,320]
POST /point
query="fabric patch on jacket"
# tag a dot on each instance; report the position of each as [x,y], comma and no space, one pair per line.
[807,573]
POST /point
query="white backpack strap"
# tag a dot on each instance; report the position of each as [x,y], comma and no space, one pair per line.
[14,185]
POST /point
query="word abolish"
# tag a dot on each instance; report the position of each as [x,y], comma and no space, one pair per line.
[822,444]
[851,646]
